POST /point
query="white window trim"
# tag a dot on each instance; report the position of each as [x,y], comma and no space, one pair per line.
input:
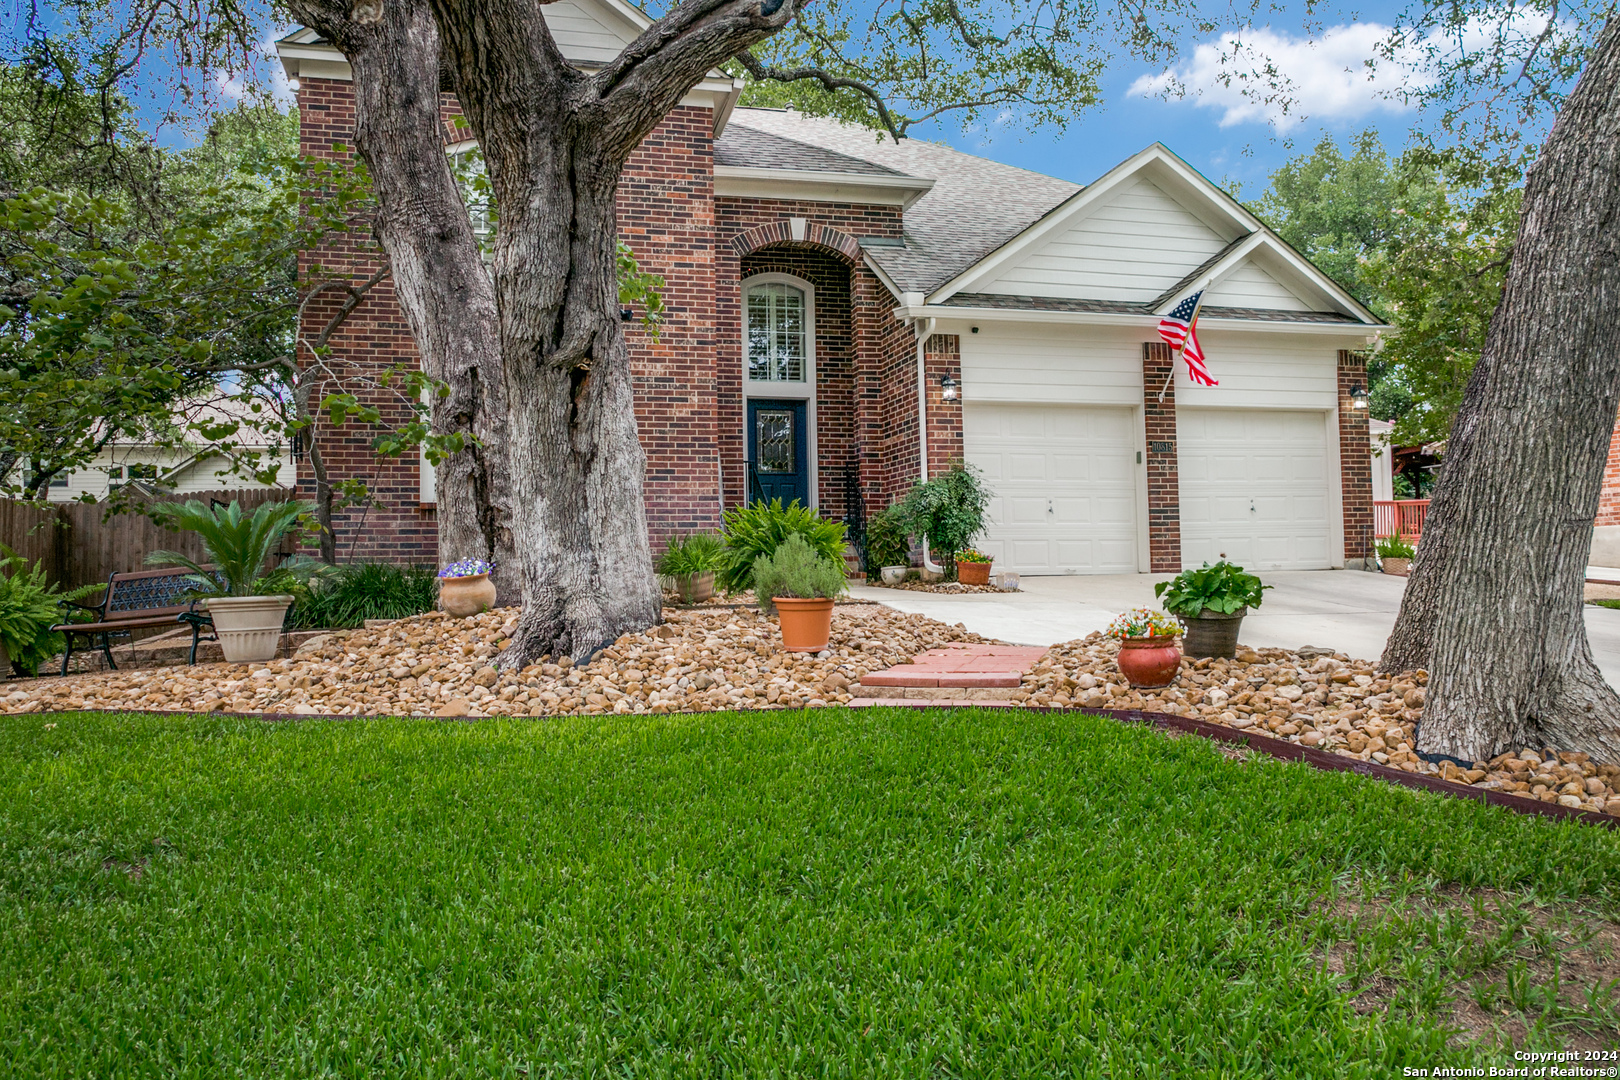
[786,391]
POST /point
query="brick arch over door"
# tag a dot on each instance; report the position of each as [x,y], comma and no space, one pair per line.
[798,231]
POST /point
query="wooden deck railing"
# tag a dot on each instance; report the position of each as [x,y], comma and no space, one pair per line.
[1401,516]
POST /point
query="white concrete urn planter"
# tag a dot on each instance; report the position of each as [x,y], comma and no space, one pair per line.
[894,575]
[249,627]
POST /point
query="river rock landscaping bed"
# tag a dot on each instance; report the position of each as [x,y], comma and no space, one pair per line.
[433,665]
[1317,698]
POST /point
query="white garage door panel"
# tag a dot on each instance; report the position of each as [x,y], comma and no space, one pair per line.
[1064,485]
[1254,487]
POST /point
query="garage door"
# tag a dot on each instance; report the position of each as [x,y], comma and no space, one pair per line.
[1064,483]
[1254,487]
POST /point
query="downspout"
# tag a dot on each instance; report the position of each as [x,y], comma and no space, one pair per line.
[924,329]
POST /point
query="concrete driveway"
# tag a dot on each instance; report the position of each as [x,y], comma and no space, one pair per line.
[1348,610]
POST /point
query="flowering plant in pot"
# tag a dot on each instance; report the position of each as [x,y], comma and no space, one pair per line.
[691,562]
[799,585]
[1211,601]
[246,603]
[1148,656]
[973,567]
[465,588]
[1396,555]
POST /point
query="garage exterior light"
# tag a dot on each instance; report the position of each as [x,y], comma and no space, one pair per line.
[947,387]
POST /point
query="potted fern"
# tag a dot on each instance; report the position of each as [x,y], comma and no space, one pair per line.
[1211,602]
[247,603]
[799,585]
[691,562]
[1396,555]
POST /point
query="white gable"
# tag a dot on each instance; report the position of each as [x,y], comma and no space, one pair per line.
[588,33]
[1131,247]
[1249,286]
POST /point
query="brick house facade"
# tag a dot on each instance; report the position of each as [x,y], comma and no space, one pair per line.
[858,275]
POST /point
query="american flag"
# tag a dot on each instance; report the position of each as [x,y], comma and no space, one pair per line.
[1180,330]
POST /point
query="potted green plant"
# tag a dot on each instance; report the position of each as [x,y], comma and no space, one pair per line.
[691,562]
[759,528]
[247,603]
[948,510]
[1396,555]
[1211,602]
[973,567]
[799,586]
[888,547]
[1148,656]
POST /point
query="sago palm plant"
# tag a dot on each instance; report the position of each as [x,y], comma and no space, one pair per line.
[239,545]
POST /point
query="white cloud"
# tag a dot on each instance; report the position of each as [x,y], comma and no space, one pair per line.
[235,87]
[1261,76]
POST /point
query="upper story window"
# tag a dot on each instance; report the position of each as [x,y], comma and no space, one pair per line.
[778,338]
[467,165]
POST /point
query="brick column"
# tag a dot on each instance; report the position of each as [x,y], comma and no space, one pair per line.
[1163,470]
[1355,461]
[942,356]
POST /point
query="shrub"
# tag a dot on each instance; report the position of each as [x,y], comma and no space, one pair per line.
[888,543]
[759,529]
[1223,587]
[948,510]
[1395,547]
[238,545]
[795,569]
[351,594]
[29,607]
[696,554]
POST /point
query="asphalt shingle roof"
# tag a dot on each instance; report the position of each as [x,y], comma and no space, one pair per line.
[746,147]
[1125,307]
[976,204]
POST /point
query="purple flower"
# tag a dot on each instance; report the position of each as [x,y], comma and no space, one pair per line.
[466,568]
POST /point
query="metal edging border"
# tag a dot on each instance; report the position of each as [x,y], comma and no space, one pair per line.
[1281,749]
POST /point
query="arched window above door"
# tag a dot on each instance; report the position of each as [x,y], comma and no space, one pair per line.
[778,335]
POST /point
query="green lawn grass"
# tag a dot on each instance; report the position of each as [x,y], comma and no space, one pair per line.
[830,893]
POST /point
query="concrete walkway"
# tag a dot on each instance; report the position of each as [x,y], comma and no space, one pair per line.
[1351,611]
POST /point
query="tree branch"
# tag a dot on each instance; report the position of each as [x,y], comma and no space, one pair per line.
[896,130]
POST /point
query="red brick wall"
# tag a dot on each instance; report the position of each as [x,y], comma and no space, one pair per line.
[666,215]
[394,527]
[942,356]
[1355,459]
[1609,501]
[854,323]
[1163,468]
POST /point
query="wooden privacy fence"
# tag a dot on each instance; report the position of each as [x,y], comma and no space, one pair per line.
[77,547]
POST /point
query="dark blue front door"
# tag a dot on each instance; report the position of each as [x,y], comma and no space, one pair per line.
[779,450]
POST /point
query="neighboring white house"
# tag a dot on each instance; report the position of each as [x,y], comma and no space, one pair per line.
[1383,459]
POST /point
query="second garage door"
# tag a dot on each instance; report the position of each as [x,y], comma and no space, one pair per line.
[1254,487]
[1064,482]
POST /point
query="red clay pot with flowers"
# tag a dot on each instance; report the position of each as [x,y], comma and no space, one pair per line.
[1148,654]
[972,567]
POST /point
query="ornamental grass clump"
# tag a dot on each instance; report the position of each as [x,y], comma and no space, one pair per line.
[698,553]
[352,594]
[796,570]
[1143,623]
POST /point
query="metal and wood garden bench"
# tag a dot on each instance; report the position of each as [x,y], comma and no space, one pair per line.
[137,601]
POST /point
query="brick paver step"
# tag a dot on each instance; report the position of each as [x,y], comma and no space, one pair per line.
[960,666]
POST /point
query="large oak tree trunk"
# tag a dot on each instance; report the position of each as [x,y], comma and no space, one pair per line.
[439,276]
[1494,605]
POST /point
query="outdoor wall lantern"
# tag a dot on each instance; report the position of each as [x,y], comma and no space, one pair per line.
[627,314]
[948,387]
[1358,397]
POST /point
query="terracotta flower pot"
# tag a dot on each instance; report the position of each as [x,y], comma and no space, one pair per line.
[973,573]
[1398,567]
[464,596]
[1150,662]
[806,624]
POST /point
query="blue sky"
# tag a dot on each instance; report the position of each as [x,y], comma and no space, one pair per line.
[1225,136]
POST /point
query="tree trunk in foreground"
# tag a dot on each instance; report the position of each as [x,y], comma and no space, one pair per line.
[440,279]
[1494,606]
